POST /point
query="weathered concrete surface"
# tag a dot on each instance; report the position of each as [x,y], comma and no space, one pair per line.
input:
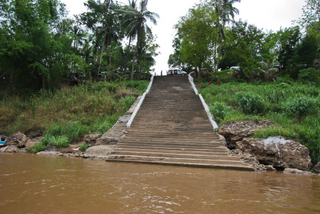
[101,152]
[172,127]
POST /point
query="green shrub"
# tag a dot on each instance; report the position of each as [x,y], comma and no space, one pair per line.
[37,148]
[311,75]
[124,104]
[72,130]
[250,103]
[46,139]
[103,125]
[61,141]
[83,147]
[299,107]
[219,110]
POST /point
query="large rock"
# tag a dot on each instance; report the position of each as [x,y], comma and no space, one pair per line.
[106,140]
[31,143]
[238,130]
[50,153]
[91,139]
[99,152]
[297,171]
[316,168]
[278,152]
[18,139]
[9,149]
[252,160]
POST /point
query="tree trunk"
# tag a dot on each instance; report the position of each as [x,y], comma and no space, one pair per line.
[125,65]
[100,58]
[109,51]
[319,44]
[107,2]
[135,55]
[133,61]
[199,73]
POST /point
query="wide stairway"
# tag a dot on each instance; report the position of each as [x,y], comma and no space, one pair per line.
[173,128]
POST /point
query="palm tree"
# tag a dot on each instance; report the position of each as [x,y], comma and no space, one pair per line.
[225,9]
[136,24]
[225,13]
[132,5]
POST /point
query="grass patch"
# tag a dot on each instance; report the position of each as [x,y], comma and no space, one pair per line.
[67,114]
[292,105]
[84,147]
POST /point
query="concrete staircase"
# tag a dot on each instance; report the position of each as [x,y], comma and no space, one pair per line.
[173,128]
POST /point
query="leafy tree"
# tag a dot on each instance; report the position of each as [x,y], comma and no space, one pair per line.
[147,51]
[29,51]
[198,34]
[175,58]
[311,20]
[307,50]
[243,48]
[289,39]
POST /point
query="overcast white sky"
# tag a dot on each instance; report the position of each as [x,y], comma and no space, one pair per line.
[266,14]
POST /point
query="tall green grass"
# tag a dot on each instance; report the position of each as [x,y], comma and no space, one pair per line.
[293,106]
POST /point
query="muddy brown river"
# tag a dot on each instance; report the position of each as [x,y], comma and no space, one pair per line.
[41,184]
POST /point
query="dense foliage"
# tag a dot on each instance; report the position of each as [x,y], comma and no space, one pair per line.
[40,48]
[67,114]
[264,74]
[293,106]
[87,108]
[203,40]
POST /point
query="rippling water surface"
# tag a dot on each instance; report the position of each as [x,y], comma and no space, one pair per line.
[40,184]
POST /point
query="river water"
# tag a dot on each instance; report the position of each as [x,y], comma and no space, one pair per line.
[41,184]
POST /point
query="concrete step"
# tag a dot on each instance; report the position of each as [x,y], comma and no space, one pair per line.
[172,128]
[175,154]
[226,164]
[170,152]
[181,148]
[173,141]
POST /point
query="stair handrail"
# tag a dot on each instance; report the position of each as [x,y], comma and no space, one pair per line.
[204,104]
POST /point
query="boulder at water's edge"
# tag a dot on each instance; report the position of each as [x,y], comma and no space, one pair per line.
[278,152]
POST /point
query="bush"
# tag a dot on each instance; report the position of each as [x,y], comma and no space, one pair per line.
[83,147]
[250,103]
[37,148]
[61,141]
[58,141]
[72,130]
[219,110]
[300,107]
[309,75]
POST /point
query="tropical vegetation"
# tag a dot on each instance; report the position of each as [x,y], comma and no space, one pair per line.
[261,74]
[66,115]
[208,37]
[64,77]
[40,48]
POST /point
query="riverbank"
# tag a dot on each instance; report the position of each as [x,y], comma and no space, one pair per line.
[292,106]
[101,145]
